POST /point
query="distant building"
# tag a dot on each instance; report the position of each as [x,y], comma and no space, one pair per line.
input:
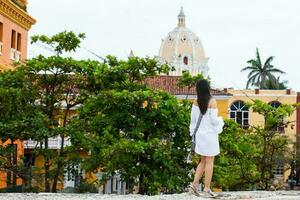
[183,49]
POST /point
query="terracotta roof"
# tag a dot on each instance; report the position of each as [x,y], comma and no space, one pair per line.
[169,84]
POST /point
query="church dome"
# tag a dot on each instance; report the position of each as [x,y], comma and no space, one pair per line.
[183,49]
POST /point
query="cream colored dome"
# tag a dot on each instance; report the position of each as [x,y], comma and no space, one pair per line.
[183,49]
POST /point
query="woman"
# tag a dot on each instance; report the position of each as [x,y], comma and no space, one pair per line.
[207,140]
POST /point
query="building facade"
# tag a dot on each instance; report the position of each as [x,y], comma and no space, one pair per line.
[15,23]
[239,112]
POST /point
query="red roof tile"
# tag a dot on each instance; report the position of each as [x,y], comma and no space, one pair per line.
[169,84]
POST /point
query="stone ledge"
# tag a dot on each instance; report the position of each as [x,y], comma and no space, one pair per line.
[261,195]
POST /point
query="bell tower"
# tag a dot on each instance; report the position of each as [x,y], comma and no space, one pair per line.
[181,18]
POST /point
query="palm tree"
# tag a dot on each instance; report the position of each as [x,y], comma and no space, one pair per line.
[277,85]
[260,74]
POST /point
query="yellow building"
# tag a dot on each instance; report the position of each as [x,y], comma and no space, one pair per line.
[238,111]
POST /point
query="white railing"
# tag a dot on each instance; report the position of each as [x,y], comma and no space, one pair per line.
[53,143]
[12,54]
[114,185]
[15,55]
[1,48]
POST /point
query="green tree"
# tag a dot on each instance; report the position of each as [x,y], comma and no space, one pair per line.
[249,156]
[134,130]
[277,84]
[235,167]
[18,118]
[260,73]
[189,81]
[272,145]
[58,81]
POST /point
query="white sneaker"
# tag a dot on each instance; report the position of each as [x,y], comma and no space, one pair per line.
[194,190]
[208,193]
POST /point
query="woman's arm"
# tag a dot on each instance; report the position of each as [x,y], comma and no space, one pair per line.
[194,118]
[216,121]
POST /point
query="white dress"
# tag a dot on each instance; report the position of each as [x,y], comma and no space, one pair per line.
[207,136]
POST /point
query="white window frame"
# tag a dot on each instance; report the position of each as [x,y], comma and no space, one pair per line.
[242,109]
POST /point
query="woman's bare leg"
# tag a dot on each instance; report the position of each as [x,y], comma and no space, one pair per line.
[209,166]
[199,171]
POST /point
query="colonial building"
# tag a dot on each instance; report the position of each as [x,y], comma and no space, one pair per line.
[15,23]
[239,112]
[183,49]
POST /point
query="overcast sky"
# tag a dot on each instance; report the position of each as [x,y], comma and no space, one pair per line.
[230,30]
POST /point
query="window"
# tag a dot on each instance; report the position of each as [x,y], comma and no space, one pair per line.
[13,39]
[1,32]
[239,112]
[278,170]
[279,127]
[1,37]
[275,104]
[185,60]
[19,42]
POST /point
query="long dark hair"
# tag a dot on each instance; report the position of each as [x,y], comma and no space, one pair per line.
[203,94]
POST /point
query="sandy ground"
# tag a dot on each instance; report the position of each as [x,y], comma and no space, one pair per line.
[262,195]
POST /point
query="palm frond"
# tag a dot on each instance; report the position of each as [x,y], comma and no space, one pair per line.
[275,70]
[269,60]
[258,57]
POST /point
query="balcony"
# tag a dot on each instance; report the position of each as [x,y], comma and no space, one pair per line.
[53,143]
[15,55]
[12,54]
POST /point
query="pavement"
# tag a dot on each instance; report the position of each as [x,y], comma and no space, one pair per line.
[261,195]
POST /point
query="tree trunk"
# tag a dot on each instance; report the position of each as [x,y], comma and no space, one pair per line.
[14,163]
[47,167]
[11,179]
[9,167]
[60,162]
[59,165]
[141,184]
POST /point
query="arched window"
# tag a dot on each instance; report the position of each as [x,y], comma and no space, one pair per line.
[185,60]
[239,112]
[280,125]
[275,104]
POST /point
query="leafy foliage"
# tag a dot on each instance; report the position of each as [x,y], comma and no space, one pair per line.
[249,156]
[188,80]
[134,130]
[236,168]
